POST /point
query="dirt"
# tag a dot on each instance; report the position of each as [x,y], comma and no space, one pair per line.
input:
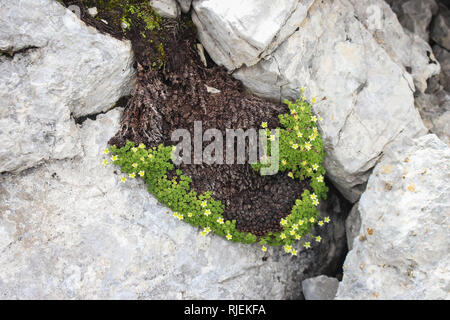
[175,96]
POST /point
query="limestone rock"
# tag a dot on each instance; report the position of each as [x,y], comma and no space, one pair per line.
[364,95]
[415,15]
[52,67]
[441,27]
[435,111]
[166,8]
[443,56]
[320,288]
[237,33]
[70,229]
[185,5]
[404,220]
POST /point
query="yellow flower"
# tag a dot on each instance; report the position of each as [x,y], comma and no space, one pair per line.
[309,170]
[141,173]
[316,202]
[207,212]
[313,100]
[312,137]
[114,158]
[304,163]
[303,98]
[190,214]
[327,219]
[175,214]
[297,237]
[300,222]
[229,237]
[132,175]
[264,125]
[315,166]
[318,238]
[207,229]
[295,146]
[302,89]
[312,220]
[287,248]
[272,138]
[320,223]
[291,175]
[315,130]
[105,162]
[180,217]
[283,236]
[134,165]
[123,179]
[314,119]
[142,146]
[308,146]
[264,248]
[283,162]
[204,233]
[307,245]
[150,155]
[283,222]
[204,203]
[296,128]
[320,179]
[293,111]
[134,149]
[295,116]
[313,196]
[295,227]
[294,252]
[220,221]
[299,134]
[106,151]
[142,159]
[292,232]
[320,118]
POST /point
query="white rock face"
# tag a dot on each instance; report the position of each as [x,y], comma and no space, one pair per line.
[404,251]
[166,8]
[320,288]
[70,229]
[185,5]
[405,48]
[364,96]
[237,33]
[53,66]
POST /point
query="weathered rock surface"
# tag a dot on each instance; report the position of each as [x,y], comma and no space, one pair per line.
[435,111]
[70,229]
[52,67]
[415,15]
[405,48]
[357,72]
[237,33]
[166,8]
[185,5]
[440,31]
[320,288]
[443,57]
[404,249]
[352,226]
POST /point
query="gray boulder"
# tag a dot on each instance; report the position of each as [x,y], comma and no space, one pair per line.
[166,8]
[53,68]
[440,31]
[359,75]
[403,252]
[320,288]
[70,229]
